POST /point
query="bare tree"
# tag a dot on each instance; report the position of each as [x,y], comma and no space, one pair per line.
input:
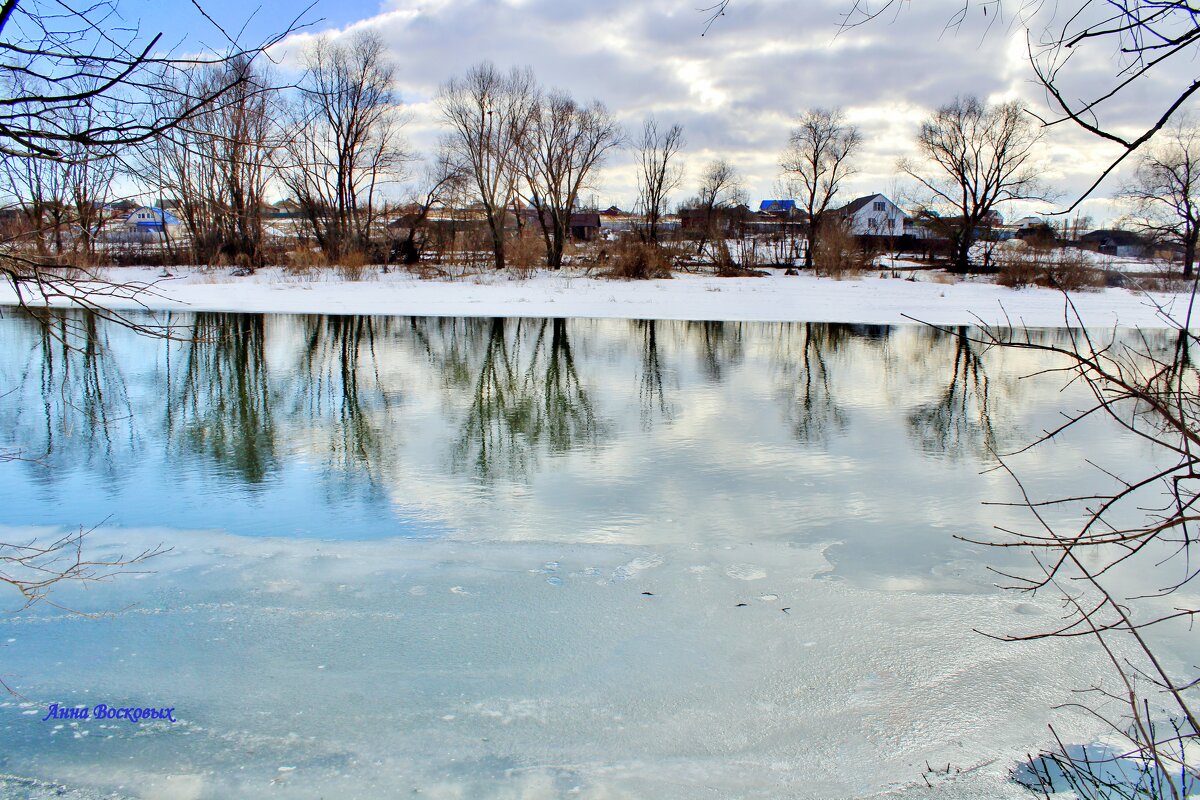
[720,191]
[62,58]
[443,180]
[490,115]
[565,146]
[973,158]
[88,181]
[1165,190]
[36,187]
[245,141]
[215,167]
[345,141]
[818,158]
[1145,43]
[659,172]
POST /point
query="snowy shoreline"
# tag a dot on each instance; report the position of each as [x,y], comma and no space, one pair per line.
[572,294]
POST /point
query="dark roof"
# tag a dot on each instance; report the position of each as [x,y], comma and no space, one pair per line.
[854,205]
[579,219]
[1113,236]
[585,219]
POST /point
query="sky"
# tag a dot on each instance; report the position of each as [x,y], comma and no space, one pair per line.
[738,89]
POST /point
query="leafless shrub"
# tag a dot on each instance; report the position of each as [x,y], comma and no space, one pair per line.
[1121,559]
[838,254]
[635,260]
[739,262]
[1055,268]
[525,254]
[354,265]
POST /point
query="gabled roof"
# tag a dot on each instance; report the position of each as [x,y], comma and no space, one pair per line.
[856,204]
[777,205]
[157,217]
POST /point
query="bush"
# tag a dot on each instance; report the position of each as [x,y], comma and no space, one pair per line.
[838,254]
[525,253]
[639,261]
[352,266]
[304,261]
[1055,268]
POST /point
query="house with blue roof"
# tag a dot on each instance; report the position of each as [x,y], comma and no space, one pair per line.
[148,218]
[787,207]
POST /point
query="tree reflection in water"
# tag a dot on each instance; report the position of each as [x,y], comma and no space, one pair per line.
[86,417]
[720,345]
[812,409]
[526,396]
[513,390]
[958,422]
[652,396]
[338,354]
[223,407]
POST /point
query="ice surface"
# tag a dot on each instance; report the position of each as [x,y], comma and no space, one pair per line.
[313,669]
[723,567]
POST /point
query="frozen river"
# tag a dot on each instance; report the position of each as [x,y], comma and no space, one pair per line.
[531,559]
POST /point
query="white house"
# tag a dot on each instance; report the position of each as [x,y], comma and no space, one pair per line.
[1028,223]
[873,215]
[152,219]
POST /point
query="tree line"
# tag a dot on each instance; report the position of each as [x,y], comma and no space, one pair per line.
[515,152]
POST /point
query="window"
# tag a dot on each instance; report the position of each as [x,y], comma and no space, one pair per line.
[879,205]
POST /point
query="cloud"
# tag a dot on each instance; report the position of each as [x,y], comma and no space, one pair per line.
[737,89]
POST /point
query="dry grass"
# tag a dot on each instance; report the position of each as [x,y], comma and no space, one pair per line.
[354,266]
[838,254]
[638,261]
[303,261]
[1051,267]
[524,254]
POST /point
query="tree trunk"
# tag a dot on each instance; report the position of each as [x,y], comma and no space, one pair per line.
[812,242]
[557,243]
[962,251]
[498,248]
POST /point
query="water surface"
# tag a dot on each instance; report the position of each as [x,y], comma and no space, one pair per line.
[533,558]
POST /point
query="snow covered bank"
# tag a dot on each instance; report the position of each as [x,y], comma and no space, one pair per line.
[776,298]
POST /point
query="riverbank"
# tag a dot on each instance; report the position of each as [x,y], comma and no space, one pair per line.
[933,298]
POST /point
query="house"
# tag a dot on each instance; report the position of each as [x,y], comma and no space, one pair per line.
[287,208]
[1115,242]
[721,221]
[147,218]
[585,225]
[780,208]
[614,219]
[872,215]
